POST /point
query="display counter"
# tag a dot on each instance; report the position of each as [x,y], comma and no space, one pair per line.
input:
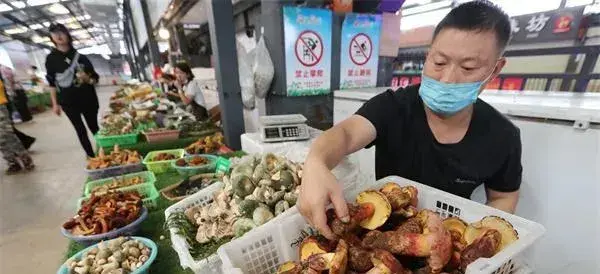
[560,134]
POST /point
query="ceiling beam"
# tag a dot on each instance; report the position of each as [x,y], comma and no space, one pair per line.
[28,8]
[26,40]
[17,21]
[80,22]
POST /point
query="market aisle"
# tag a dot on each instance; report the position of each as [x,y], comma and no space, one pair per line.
[33,206]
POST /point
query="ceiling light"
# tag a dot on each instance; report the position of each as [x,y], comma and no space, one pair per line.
[425,8]
[40,2]
[74,25]
[18,4]
[36,26]
[163,33]
[46,24]
[38,39]
[5,7]
[16,30]
[58,9]
[87,17]
[79,31]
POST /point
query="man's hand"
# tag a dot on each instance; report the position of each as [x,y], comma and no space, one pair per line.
[318,188]
[56,109]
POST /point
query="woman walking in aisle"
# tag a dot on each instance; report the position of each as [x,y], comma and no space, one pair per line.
[71,77]
[13,152]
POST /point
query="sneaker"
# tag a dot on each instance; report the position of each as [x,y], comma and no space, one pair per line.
[13,169]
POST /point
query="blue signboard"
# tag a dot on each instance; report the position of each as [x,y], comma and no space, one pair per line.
[307,34]
[360,50]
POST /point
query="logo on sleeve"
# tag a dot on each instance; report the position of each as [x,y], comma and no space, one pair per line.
[465,181]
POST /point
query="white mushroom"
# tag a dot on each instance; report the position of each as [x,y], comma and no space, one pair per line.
[134,251]
[82,269]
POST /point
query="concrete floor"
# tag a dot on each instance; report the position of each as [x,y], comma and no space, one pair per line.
[34,205]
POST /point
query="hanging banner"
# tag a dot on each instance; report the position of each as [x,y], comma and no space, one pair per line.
[360,50]
[307,34]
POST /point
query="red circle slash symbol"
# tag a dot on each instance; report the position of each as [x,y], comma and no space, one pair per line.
[360,49]
[309,48]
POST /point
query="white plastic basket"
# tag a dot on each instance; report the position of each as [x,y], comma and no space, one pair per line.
[212,264]
[263,249]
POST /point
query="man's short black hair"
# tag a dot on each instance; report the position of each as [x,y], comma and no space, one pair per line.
[479,15]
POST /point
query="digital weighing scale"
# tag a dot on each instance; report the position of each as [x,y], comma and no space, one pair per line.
[281,128]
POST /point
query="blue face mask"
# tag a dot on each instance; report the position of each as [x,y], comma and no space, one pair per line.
[448,99]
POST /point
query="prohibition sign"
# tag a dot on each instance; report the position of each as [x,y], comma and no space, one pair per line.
[309,48]
[360,49]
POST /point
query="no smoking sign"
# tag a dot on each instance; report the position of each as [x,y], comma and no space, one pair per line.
[309,48]
[360,49]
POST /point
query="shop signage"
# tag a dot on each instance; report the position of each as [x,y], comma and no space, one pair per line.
[360,50]
[556,25]
[307,34]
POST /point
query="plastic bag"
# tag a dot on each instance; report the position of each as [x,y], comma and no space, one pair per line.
[246,77]
[263,69]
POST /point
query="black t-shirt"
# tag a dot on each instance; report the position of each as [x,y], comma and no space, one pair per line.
[83,95]
[489,153]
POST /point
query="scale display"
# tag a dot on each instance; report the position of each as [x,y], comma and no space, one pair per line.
[281,128]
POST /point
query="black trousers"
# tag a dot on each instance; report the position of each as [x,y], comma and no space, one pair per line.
[90,114]
[21,105]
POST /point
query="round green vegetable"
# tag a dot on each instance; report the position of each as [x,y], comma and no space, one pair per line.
[286,179]
[291,198]
[261,215]
[243,225]
[273,199]
[242,186]
[247,207]
[281,206]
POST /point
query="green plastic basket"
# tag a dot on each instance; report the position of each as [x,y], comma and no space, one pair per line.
[161,166]
[147,177]
[193,170]
[148,192]
[109,141]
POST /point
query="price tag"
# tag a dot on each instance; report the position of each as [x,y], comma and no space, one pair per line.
[222,166]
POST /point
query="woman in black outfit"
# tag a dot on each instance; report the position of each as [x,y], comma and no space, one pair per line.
[72,77]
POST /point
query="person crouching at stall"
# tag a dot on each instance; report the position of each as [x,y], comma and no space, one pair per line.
[71,77]
[16,156]
[190,91]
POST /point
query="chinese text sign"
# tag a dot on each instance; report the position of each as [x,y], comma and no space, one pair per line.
[307,34]
[359,50]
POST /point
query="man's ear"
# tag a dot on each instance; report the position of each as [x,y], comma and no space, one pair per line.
[499,66]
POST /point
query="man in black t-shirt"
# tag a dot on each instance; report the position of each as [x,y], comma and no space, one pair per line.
[437,133]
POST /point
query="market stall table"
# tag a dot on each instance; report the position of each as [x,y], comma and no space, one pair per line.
[152,228]
[145,147]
